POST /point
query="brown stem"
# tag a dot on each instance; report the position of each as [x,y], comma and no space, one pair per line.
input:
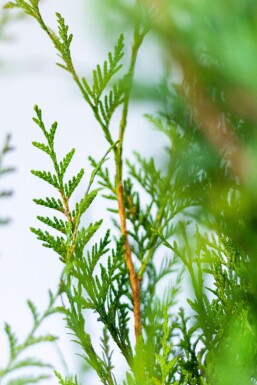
[215,128]
[134,281]
[66,206]
[68,216]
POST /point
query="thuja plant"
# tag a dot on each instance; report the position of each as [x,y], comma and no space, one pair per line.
[193,223]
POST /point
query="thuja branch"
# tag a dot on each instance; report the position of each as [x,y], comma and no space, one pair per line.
[62,43]
[134,281]
[103,108]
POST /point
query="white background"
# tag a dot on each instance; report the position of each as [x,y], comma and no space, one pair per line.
[28,76]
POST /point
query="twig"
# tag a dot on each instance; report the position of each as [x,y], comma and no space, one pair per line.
[134,281]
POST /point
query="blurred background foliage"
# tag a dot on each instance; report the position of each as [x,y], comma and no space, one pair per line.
[207,102]
[5,170]
[5,147]
[212,46]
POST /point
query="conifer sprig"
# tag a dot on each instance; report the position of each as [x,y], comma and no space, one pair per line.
[63,245]
[103,110]
[17,361]
[106,292]
[66,380]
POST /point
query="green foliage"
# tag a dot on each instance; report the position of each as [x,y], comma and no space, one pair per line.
[103,106]
[3,22]
[18,358]
[74,238]
[66,381]
[5,170]
[166,365]
[102,76]
[192,219]
[103,294]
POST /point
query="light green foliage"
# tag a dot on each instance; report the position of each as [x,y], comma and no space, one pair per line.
[192,219]
[18,356]
[166,365]
[66,381]
[3,22]
[5,170]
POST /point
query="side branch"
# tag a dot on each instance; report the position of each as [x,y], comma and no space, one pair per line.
[134,280]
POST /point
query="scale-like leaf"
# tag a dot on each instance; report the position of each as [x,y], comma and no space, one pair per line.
[86,202]
[52,203]
[34,311]
[13,341]
[103,75]
[71,185]
[58,244]
[64,164]
[66,380]
[42,147]
[55,223]
[111,101]
[84,235]
[47,176]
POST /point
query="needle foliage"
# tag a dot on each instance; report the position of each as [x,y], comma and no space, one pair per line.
[186,229]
